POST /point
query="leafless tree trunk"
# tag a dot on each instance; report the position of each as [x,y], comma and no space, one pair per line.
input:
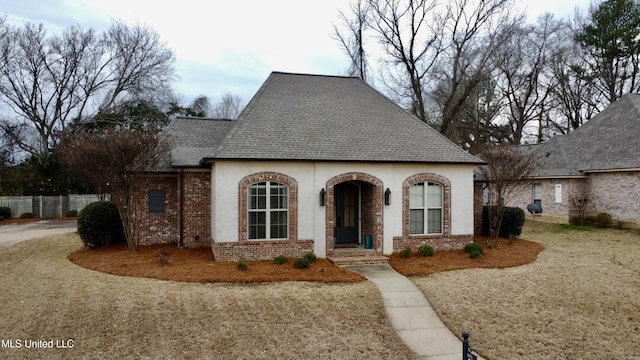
[580,201]
[48,81]
[352,39]
[473,31]
[411,34]
[526,76]
[506,172]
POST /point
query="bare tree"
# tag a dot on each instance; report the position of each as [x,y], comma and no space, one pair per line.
[526,77]
[49,81]
[229,106]
[201,106]
[411,33]
[117,161]
[352,40]
[474,30]
[506,172]
[580,200]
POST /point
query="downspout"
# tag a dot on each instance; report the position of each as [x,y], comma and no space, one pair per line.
[181,240]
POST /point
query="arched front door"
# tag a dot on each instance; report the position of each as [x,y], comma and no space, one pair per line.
[347,205]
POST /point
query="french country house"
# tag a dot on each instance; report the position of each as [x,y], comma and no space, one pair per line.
[321,164]
[596,168]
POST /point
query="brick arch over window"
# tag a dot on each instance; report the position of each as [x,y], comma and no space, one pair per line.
[373,204]
[243,198]
[446,203]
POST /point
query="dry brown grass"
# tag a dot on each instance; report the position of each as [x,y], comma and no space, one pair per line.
[579,300]
[46,297]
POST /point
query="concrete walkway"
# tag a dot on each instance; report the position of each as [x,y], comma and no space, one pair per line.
[411,315]
[14,233]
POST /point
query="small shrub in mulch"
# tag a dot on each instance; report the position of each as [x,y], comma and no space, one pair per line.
[280,259]
[426,250]
[301,263]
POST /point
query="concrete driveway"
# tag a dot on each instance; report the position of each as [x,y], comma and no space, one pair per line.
[15,233]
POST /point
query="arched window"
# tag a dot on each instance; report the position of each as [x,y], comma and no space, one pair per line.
[426,208]
[268,210]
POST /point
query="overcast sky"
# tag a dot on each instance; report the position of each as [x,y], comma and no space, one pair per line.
[229,46]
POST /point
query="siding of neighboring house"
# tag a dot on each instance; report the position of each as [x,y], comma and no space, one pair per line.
[552,209]
[618,194]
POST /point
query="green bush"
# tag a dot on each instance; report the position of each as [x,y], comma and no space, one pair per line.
[602,220]
[425,250]
[512,221]
[311,257]
[5,212]
[301,263]
[280,259]
[242,266]
[99,224]
[405,253]
[72,213]
[1,217]
[26,215]
[473,247]
[475,254]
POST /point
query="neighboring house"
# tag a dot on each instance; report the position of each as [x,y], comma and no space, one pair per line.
[313,164]
[598,162]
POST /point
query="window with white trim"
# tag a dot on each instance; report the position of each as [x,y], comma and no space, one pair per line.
[537,194]
[425,208]
[268,210]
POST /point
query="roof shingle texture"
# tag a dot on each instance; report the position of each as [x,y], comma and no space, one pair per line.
[323,118]
[609,141]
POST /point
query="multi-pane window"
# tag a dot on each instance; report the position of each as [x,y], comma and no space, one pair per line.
[425,208]
[156,201]
[268,210]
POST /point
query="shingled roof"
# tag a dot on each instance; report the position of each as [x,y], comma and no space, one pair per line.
[323,118]
[196,138]
[608,142]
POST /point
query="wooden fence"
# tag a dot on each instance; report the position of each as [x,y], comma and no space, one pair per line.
[46,207]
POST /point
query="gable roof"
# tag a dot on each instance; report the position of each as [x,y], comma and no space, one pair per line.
[609,141]
[324,118]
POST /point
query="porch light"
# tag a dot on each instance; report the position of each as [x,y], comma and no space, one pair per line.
[323,195]
[387,197]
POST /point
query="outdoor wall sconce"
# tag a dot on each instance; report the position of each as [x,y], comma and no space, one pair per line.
[323,195]
[387,197]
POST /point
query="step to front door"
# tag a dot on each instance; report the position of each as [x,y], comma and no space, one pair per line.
[358,260]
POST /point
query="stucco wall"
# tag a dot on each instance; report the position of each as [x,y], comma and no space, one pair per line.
[312,177]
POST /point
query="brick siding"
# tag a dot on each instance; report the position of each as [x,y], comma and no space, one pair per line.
[197,209]
[160,228]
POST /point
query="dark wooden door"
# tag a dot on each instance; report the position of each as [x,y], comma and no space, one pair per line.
[347,224]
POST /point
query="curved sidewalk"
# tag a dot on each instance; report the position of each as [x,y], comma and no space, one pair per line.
[411,315]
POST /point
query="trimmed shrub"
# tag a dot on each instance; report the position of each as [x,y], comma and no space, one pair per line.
[5,212]
[242,266]
[602,220]
[311,257]
[99,224]
[405,253]
[475,254]
[26,215]
[473,247]
[301,263]
[72,213]
[1,217]
[280,259]
[512,221]
[425,250]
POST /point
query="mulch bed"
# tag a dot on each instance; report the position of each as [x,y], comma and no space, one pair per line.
[502,255]
[197,265]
